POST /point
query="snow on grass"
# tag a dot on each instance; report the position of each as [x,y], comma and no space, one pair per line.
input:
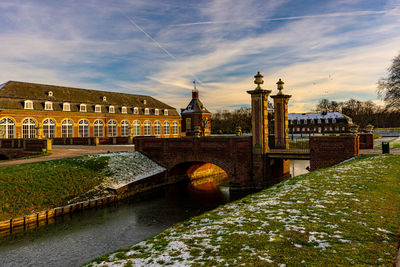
[287,224]
[127,167]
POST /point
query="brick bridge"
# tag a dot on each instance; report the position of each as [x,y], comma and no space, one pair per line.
[233,154]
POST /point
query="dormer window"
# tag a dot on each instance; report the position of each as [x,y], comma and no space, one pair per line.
[124,110]
[104,98]
[166,112]
[66,107]
[144,101]
[319,121]
[333,120]
[97,108]
[48,105]
[50,93]
[82,108]
[156,112]
[135,111]
[326,120]
[111,109]
[146,111]
[28,104]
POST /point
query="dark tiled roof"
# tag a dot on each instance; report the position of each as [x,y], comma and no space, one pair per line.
[195,106]
[13,94]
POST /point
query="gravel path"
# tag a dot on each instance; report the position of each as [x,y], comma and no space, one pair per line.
[60,152]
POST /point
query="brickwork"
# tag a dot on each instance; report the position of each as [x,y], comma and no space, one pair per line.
[232,154]
[366,141]
[327,151]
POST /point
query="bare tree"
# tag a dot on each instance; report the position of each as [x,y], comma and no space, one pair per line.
[389,87]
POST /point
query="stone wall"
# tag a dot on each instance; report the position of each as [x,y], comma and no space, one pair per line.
[327,151]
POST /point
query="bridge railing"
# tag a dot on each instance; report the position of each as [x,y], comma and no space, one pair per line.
[301,144]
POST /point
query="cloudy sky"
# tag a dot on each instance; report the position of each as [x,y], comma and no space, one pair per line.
[335,49]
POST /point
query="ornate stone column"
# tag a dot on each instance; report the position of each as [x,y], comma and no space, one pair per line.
[259,120]
[281,117]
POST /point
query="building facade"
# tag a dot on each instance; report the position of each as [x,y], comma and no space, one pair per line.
[29,110]
[319,123]
[196,115]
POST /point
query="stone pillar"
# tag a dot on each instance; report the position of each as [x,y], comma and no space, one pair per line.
[259,120]
[281,117]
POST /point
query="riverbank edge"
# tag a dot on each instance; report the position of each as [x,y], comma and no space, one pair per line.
[158,242]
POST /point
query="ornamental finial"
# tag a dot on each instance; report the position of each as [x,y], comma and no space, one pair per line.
[258,80]
[280,84]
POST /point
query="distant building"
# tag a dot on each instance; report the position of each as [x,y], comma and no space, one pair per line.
[325,122]
[27,109]
[196,115]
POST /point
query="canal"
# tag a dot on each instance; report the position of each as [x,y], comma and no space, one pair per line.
[74,240]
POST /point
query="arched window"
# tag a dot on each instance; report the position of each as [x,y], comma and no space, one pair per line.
[157,128]
[83,128]
[136,128]
[7,128]
[67,128]
[147,128]
[175,128]
[111,109]
[48,105]
[112,128]
[166,128]
[146,111]
[124,110]
[166,112]
[124,128]
[66,107]
[156,112]
[98,128]
[97,108]
[135,111]
[28,104]
[82,108]
[29,128]
[49,128]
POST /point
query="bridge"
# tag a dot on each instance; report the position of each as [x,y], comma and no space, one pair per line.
[255,161]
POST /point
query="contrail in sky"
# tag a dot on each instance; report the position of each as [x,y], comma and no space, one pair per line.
[339,14]
[159,45]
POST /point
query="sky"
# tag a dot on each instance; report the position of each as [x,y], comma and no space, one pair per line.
[320,49]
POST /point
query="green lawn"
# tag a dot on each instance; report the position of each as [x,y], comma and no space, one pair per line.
[344,215]
[27,188]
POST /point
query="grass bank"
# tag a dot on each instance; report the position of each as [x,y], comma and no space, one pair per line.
[27,188]
[33,187]
[344,215]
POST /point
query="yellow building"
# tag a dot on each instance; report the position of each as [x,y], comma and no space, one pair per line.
[29,110]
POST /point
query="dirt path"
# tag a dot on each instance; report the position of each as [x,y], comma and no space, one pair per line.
[60,152]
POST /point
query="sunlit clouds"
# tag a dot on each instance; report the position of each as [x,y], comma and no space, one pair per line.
[336,49]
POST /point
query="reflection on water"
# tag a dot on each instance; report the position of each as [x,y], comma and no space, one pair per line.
[298,167]
[74,240]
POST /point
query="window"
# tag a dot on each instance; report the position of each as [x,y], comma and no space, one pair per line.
[135,111]
[66,107]
[166,128]
[146,111]
[50,93]
[326,120]
[333,120]
[98,128]
[29,128]
[157,128]
[124,110]
[28,104]
[111,109]
[49,128]
[144,101]
[104,98]
[67,128]
[112,128]
[82,108]
[97,108]
[319,121]
[83,128]
[136,128]
[147,128]
[298,122]
[188,124]
[124,128]
[7,128]
[156,112]
[166,112]
[305,121]
[175,128]
[48,106]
